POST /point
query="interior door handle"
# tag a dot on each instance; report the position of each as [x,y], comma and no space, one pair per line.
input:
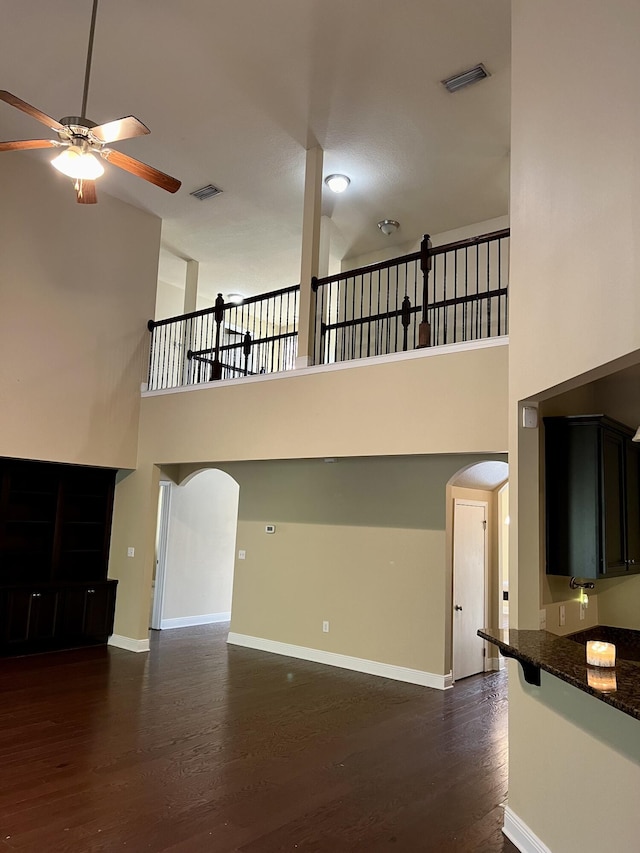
[457,607]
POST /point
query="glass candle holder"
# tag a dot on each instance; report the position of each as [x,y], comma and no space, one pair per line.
[601,654]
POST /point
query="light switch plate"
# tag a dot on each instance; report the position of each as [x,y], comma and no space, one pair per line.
[529,417]
[242,555]
[131,552]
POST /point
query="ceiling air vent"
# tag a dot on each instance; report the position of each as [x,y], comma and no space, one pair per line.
[206,192]
[466,78]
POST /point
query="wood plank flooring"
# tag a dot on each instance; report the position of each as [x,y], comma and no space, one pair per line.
[200,746]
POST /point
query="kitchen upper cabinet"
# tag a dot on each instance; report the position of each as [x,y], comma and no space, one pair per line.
[592,497]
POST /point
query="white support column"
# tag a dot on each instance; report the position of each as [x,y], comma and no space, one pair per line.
[191,287]
[310,253]
[190,305]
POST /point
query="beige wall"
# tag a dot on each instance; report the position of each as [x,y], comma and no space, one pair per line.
[428,403]
[360,543]
[422,405]
[201,545]
[77,285]
[574,307]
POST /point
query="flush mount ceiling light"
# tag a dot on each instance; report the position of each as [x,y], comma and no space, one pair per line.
[235,298]
[337,183]
[388,226]
[465,78]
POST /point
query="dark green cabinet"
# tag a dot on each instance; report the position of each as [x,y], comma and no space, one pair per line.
[592,497]
[55,528]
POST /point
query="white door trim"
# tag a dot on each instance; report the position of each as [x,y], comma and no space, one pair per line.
[467,502]
[161,566]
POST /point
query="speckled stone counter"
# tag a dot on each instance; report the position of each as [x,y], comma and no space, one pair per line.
[565,657]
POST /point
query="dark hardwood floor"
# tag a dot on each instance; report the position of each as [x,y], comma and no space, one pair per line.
[203,747]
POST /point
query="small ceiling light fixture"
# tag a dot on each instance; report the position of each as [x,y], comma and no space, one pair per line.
[235,298]
[337,183]
[465,78]
[388,226]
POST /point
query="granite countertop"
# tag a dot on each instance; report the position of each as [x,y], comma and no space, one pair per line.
[565,658]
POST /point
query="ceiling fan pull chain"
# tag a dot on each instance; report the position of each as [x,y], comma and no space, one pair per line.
[87,72]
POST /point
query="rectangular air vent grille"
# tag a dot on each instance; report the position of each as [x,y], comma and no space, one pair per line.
[466,78]
[206,192]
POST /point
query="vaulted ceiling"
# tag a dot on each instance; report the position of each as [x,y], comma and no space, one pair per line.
[234,91]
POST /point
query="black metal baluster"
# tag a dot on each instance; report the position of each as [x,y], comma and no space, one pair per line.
[465,312]
[477,336]
[488,334]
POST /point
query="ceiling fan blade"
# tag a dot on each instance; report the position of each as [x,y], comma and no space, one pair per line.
[30,111]
[148,173]
[25,144]
[122,128]
[86,192]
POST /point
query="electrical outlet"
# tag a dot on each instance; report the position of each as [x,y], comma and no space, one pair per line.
[325,627]
[242,555]
[542,620]
[562,616]
[131,552]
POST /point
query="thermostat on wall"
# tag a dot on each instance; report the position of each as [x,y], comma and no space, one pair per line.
[270,528]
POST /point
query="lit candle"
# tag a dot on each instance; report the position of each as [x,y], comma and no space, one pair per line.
[601,654]
[602,679]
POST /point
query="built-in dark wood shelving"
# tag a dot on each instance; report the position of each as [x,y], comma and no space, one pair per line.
[55,527]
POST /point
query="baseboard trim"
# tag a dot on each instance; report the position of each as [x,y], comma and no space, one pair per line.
[128,643]
[495,664]
[188,621]
[519,833]
[370,667]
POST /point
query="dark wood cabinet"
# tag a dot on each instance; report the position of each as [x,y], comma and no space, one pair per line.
[592,497]
[55,527]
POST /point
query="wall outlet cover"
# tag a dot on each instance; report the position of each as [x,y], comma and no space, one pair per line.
[242,555]
[131,552]
[270,528]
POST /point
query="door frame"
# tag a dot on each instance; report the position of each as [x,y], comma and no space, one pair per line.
[485,504]
[162,539]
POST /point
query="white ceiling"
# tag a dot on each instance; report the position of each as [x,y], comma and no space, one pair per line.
[234,91]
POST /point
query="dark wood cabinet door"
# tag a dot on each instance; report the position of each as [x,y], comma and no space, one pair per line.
[31,615]
[88,612]
[633,504]
[99,611]
[613,501]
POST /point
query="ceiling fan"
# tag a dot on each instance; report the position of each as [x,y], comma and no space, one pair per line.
[81,140]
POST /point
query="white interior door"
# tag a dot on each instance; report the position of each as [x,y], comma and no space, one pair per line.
[469,586]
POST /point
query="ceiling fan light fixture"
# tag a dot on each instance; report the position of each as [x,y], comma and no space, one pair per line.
[337,183]
[78,164]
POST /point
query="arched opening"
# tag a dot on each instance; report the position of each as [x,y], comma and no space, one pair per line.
[477,537]
[197,525]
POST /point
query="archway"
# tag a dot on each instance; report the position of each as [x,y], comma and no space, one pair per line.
[474,561]
[195,566]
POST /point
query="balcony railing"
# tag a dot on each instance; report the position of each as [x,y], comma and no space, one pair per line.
[226,341]
[444,295]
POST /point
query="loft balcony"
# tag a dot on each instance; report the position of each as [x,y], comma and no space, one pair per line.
[447,296]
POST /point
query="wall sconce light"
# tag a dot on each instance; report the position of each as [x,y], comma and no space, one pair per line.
[388,226]
[636,437]
[337,183]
